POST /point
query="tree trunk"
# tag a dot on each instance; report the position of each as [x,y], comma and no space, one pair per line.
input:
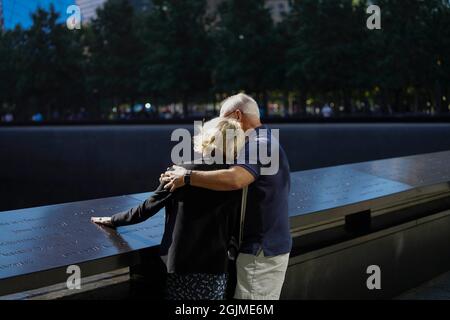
[347,102]
[384,101]
[416,101]
[264,103]
[287,108]
[185,107]
[302,103]
[438,97]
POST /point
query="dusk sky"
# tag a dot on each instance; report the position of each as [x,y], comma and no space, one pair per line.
[18,11]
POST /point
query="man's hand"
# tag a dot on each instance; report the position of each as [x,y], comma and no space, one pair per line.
[106,221]
[234,178]
[174,178]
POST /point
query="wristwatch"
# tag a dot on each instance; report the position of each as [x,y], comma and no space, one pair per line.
[187,177]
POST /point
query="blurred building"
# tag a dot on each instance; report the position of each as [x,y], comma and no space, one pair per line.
[18,11]
[88,7]
[278,8]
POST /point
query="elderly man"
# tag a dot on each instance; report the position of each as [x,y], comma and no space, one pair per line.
[266,243]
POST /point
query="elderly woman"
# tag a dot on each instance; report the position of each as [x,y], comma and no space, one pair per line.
[200,223]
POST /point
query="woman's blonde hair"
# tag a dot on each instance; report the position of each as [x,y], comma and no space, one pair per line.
[223,136]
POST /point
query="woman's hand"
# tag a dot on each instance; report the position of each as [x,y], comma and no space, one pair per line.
[106,221]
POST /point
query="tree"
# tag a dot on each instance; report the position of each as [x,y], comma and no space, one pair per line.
[410,51]
[114,54]
[438,43]
[175,52]
[6,69]
[177,63]
[246,49]
[327,55]
[47,61]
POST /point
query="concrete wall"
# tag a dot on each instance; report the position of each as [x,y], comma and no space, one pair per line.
[46,165]
[407,255]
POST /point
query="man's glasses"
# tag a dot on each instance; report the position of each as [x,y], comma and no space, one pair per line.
[227,115]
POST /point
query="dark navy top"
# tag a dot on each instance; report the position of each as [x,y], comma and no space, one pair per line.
[266,223]
[200,226]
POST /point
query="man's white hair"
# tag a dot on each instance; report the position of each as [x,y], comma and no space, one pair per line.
[239,101]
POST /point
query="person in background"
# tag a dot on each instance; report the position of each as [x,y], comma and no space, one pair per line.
[326,111]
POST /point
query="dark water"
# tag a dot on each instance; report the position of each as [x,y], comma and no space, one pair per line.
[47,165]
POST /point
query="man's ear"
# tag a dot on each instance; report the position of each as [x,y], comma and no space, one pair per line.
[239,115]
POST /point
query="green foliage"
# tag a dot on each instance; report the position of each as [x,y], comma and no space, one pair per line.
[6,68]
[246,49]
[113,54]
[176,66]
[43,66]
[244,43]
[178,53]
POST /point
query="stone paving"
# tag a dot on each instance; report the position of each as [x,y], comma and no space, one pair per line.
[435,289]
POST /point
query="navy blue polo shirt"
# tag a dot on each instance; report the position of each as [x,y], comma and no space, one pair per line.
[266,224]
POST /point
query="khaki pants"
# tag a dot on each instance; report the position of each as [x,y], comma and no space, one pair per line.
[260,277]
